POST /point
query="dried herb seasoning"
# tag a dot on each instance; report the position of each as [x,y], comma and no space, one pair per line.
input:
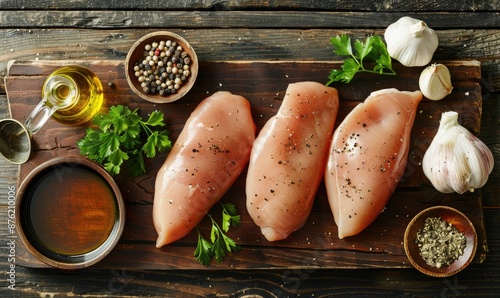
[440,243]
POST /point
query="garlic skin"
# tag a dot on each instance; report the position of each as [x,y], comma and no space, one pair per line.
[411,41]
[435,82]
[456,160]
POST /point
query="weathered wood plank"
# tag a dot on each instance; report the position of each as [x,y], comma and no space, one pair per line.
[385,5]
[263,83]
[236,44]
[239,19]
[490,134]
[314,246]
[476,280]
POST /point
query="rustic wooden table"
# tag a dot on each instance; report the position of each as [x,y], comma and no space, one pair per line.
[250,31]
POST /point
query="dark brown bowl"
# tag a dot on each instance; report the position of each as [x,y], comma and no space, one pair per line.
[453,216]
[136,52]
[69,213]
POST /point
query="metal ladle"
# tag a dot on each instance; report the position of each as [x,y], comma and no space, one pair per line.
[15,137]
[15,143]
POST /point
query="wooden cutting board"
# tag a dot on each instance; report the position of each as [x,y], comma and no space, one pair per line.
[263,83]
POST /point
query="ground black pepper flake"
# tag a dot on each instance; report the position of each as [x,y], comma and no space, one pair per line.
[440,243]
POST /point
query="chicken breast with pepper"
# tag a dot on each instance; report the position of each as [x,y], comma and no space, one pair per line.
[210,153]
[288,159]
[368,156]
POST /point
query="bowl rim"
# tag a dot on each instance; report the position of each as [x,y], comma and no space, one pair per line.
[471,244]
[129,63]
[107,246]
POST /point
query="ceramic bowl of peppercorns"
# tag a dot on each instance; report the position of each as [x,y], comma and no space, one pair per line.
[161,67]
[440,241]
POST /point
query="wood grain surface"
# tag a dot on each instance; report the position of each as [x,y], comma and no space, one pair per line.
[221,18]
[363,5]
[263,84]
[235,44]
[250,30]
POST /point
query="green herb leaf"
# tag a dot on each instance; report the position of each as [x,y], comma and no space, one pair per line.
[132,137]
[90,145]
[342,45]
[155,119]
[230,244]
[163,142]
[372,49]
[120,137]
[381,55]
[110,143]
[136,166]
[204,250]
[350,68]
[117,157]
[214,232]
[220,244]
[150,146]
[363,49]
[219,249]
[112,168]
[230,217]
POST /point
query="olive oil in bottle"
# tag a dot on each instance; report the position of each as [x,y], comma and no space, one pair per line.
[76,92]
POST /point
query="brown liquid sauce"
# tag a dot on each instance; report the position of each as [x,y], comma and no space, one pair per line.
[70,211]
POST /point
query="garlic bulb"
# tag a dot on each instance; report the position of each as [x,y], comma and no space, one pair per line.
[456,160]
[411,41]
[435,82]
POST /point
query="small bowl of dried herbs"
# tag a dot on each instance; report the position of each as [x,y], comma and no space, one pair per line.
[440,241]
[161,67]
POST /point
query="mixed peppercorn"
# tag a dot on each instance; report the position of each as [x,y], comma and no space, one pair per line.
[164,68]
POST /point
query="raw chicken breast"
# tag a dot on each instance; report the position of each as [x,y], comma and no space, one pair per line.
[288,159]
[368,156]
[209,154]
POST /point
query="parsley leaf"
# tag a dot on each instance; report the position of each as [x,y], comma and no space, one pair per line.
[204,250]
[342,44]
[140,167]
[155,119]
[373,49]
[118,140]
[230,217]
[220,243]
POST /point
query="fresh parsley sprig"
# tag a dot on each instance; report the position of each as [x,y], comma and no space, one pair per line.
[119,140]
[373,49]
[220,243]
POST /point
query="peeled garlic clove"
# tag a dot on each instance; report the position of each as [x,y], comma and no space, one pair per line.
[435,82]
[456,160]
[411,41]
